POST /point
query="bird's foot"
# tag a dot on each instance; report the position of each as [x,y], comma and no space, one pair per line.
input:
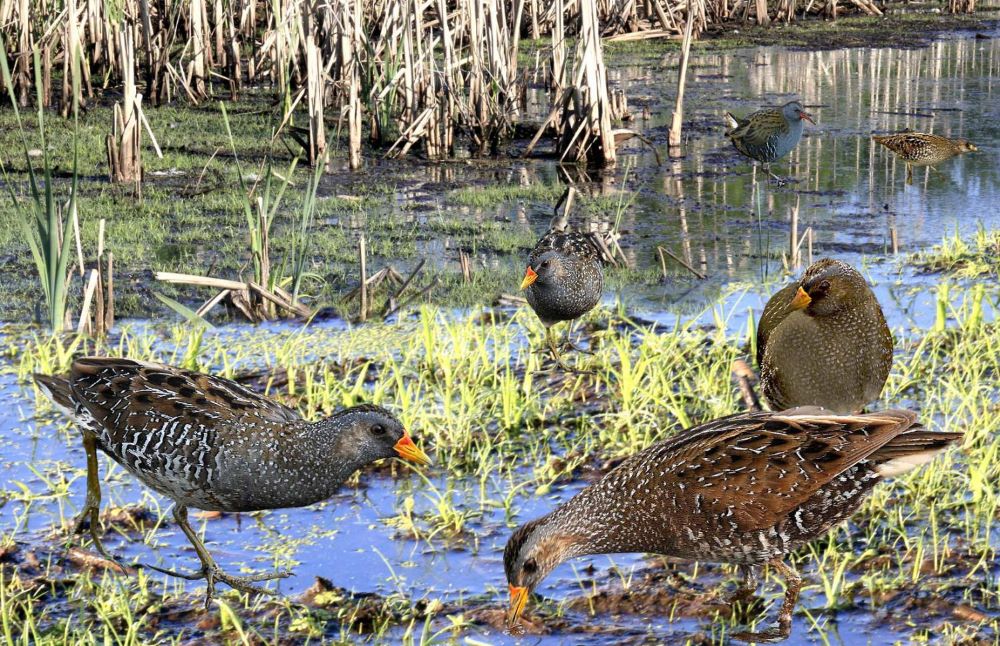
[214,573]
[744,605]
[781,181]
[89,521]
[779,633]
[246,583]
[569,345]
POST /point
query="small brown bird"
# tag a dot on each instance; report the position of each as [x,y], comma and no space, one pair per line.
[746,489]
[210,443]
[768,135]
[563,280]
[923,149]
[823,341]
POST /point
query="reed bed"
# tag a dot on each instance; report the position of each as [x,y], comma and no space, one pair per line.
[434,75]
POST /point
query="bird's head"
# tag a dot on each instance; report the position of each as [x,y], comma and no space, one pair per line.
[373,433]
[545,270]
[793,112]
[533,551]
[827,287]
[965,146]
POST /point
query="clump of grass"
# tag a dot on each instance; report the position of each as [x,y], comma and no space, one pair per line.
[494,194]
[44,223]
[954,255]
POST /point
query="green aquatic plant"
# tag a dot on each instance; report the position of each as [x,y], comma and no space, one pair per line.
[44,222]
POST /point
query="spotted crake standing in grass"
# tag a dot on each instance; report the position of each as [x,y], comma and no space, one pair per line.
[210,443]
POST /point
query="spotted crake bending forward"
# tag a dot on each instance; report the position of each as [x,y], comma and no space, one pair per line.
[210,443]
[745,489]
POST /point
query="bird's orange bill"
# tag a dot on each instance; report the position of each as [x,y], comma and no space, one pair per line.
[410,451]
[518,597]
[808,117]
[529,277]
[801,300]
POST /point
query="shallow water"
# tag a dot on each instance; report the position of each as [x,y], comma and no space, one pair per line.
[704,207]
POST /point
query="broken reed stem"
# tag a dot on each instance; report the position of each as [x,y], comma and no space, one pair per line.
[794,242]
[676,121]
[663,250]
[463,261]
[744,378]
[422,292]
[362,260]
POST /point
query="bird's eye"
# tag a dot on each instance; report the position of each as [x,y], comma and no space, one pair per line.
[530,566]
[545,264]
[378,429]
[825,285]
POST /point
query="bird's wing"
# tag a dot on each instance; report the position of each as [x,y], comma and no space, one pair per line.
[758,128]
[571,243]
[774,313]
[756,468]
[124,393]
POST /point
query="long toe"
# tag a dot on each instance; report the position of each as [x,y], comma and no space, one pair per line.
[99,546]
[770,636]
[745,605]
[245,583]
[188,576]
[569,345]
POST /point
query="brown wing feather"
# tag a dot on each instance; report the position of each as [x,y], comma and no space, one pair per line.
[120,391]
[757,129]
[567,242]
[773,462]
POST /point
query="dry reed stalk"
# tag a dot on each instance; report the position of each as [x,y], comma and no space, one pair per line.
[349,25]
[22,66]
[315,86]
[466,266]
[794,242]
[677,117]
[362,262]
[71,48]
[559,69]
[124,144]
[663,265]
[745,377]
[198,68]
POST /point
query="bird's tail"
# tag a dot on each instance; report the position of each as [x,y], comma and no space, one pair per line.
[731,122]
[57,389]
[910,449]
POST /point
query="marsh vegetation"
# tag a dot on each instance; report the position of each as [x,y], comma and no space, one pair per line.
[412,556]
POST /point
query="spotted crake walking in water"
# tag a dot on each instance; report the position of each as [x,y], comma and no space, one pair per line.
[823,341]
[564,279]
[746,489]
[923,149]
[768,135]
[210,443]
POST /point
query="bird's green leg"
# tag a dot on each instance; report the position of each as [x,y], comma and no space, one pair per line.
[751,579]
[91,513]
[554,349]
[568,343]
[909,175]
[779,180]
[210,571]
[793,585]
